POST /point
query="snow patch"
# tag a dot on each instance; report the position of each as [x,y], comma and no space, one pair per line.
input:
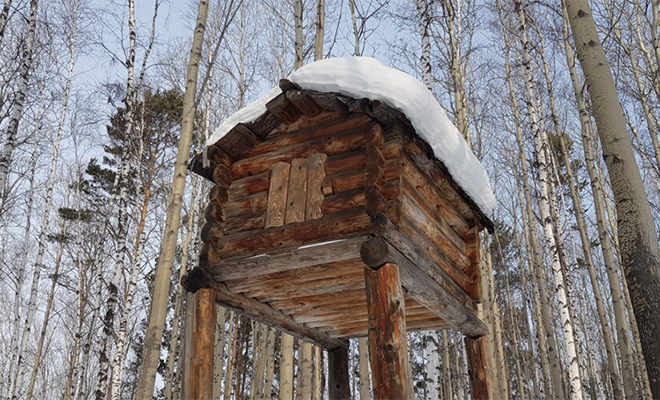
[366,77]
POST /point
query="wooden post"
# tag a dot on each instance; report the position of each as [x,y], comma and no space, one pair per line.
[477,355]
[388,342]
[338,381]
[200,339]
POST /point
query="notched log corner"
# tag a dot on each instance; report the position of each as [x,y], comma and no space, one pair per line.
[196,279]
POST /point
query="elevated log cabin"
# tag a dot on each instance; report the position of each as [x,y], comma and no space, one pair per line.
[331,218]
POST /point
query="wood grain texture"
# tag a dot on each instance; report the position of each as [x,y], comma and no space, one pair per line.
[338,380]
[315,176]
[277,194]
[388,343]
[478,368]
[297,191]
[287,259]
[199,361]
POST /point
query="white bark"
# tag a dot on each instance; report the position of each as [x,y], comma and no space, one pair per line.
[16,112]
[547,209]
[424,27]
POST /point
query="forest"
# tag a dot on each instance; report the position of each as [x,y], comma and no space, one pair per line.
[104,102]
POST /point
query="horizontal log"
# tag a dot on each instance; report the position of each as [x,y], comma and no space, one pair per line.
[354,178]
[421,278]
[455,272]
[356,198]
[261,312]
[283,109]
[342,225]
[343,142]
[324,125]
[314,287]
[303,102]
[293,277]
[248,186]
[304,303]
[414,178]
[255,203]
[245,222]
[294,259]
[238,140]
[437,232]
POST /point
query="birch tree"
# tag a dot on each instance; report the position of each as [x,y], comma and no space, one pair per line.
[638,239]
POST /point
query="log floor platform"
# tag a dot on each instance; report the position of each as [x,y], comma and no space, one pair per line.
[331,219]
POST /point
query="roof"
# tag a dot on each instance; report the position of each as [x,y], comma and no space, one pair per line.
[365,77]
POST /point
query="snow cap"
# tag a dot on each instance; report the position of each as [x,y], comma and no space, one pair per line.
[366,77]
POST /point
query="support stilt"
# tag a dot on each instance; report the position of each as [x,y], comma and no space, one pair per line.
[477,355]
[338,381]
[200,339]
[388,343]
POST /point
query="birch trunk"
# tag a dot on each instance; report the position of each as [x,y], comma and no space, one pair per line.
[356,31]
[44,324]
[638,238]
[424,27]
[286,368]
[304,386]
[363,368]
[158,312]
[4,17]
[16,111]
[547,343]
[546,207]
[298,44]
[320,31]
[16,345]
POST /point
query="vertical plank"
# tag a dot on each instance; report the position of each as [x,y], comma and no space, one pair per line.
[338,381]
[388,343]
[277,194]
[315,177]
[477,355]
[297,192]
[473,251]
[200,333]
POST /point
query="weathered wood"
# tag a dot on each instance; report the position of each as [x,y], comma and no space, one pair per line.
[354,178]
[412,177]
[437,232]
[297,192]
[338,380]
[239,139]
[357,198]
[473,243]
[283,109]
[306,129]
[339,143]
[478,369]
[315,177]
[244,222]
[318,287]
[322,271]
[263,125]
[303,102]
[249,186]
[248,205]
[292,259]
[435,291]
[331,102]
[346,224]
[199,361]
[388,343]
[264,313]
[301,304]
[277,194]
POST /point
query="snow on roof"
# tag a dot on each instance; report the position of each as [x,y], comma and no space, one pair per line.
[366,77]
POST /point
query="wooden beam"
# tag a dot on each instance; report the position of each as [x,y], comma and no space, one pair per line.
[388,342]
[264,313]
[422,279]
[338,380]
[478,370]
[295,258]
[200,335]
